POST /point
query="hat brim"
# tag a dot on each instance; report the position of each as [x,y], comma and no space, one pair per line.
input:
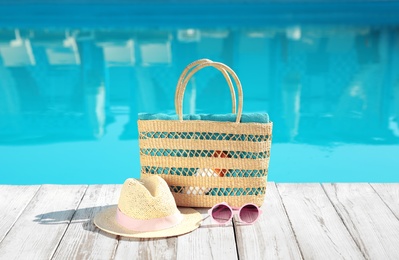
[105,220]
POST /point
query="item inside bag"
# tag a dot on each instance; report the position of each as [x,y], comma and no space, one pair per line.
[208,173]
[220,154]
[201,190]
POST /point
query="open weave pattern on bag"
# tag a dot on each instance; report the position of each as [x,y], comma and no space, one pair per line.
[202,153]
[204,136]
[181,151]
[216,186]
[193,171]
[218,191]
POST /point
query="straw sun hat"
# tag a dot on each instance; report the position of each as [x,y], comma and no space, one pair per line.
[147,209]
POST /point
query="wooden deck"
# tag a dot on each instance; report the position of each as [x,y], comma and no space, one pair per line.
[300,221]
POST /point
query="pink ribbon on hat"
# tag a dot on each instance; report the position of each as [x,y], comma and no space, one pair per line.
[142,225]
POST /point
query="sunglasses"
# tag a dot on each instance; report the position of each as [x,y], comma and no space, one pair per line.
[222,213]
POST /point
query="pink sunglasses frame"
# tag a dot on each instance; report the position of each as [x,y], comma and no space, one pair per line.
[234,211]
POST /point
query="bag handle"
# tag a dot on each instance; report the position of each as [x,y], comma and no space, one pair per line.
[220,66]
[183,77]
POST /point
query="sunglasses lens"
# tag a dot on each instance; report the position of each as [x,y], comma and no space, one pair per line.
[249,213]
[221,213]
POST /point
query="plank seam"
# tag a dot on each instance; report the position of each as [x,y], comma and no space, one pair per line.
[22,211]
[384,201]
[118,238]
[235,238]
[343,222]
[69,222]
[289,220]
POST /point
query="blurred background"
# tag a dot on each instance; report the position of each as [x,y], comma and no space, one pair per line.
[75,74]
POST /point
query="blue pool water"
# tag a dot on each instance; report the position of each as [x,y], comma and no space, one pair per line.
[69,97]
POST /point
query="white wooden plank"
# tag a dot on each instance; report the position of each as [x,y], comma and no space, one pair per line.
[38,230]
[13,200]
[210,241]
[271,237]
[207,242]
[389,193]
[130,248]
[83,240]
[319,230]
[371,223]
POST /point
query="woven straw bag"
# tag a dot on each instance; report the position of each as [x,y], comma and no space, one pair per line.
[207,162]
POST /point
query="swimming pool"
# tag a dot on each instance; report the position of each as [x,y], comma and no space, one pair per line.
[69,96]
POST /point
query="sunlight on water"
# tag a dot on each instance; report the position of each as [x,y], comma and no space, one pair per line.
[69,98]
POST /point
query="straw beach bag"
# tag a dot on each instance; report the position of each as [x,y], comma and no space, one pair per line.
[208,159]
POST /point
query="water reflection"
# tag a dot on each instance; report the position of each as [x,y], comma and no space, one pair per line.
[318,84]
